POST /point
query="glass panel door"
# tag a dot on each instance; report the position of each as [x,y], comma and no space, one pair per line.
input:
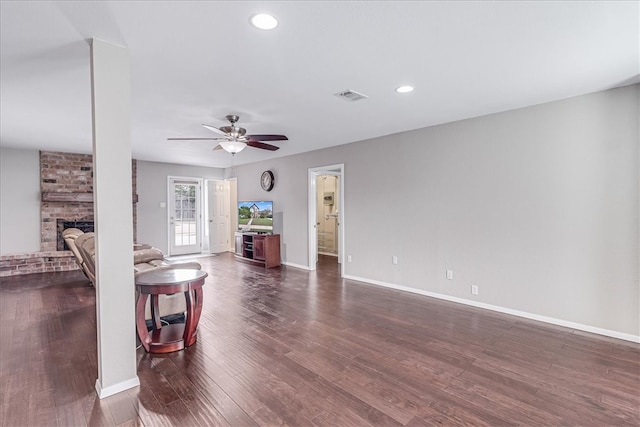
[185,217]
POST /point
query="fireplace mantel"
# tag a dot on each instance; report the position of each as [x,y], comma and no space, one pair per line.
[59,196]
[66,196]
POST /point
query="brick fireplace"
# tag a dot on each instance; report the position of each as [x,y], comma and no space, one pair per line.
[66,189]
[64,178]
[62,225]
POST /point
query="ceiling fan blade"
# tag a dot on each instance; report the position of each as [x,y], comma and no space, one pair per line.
[195,139]
[258,144]
[215,129]
[217,147]
[267,138]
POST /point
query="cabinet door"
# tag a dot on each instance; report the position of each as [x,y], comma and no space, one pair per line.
[238,244]
[272,251]
[258,247]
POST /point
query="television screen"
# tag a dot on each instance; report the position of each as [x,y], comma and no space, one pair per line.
[255,216]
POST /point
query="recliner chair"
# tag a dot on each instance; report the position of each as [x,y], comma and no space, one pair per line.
[70,235]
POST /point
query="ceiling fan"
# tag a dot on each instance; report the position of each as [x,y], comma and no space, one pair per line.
[234,139]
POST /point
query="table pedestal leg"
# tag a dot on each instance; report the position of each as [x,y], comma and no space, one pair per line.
[141,324]
[194,309]
[155,311]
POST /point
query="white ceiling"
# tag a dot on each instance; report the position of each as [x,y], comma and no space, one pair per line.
[194,62]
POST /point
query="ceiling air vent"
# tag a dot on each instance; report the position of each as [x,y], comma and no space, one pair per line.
[350,95]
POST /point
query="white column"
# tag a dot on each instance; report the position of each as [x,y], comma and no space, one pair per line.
[115,291]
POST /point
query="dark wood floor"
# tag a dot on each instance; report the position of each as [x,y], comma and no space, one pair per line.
[290,347]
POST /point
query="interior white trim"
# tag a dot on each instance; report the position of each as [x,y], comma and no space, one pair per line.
[291,264]
[524,314]
[311,226]
[116,388]
[232,182]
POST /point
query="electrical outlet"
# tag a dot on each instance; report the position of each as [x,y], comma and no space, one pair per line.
[348,258]
[394,259]
[449,274]
[474,289]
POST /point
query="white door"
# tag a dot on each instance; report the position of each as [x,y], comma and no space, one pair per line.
[219,216]
[184,216]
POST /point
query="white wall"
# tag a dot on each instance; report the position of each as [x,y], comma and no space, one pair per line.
[152,190]
[19,201]
[537,206]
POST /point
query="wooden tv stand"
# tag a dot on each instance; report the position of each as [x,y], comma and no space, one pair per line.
[259,248]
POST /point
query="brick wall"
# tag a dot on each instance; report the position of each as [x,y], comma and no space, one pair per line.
[60,173]
[37,262]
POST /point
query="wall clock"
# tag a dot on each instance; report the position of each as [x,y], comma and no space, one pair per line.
[267,181]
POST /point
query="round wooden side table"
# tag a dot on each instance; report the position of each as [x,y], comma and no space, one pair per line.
[173,337]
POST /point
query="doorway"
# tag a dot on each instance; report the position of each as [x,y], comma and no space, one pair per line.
[326,214]
[184,216]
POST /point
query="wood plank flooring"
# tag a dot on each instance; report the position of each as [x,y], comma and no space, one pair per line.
[289,347]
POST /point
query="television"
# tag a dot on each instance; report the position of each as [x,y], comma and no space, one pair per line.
[255,216]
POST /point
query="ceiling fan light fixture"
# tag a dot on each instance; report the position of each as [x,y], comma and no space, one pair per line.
[264,21]
[232,146]
[404,89]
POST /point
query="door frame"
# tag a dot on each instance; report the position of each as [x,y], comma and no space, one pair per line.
[233,211]
[199,210]
[335,170]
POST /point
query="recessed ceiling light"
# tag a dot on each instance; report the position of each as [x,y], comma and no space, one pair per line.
[264,21]
[404,89]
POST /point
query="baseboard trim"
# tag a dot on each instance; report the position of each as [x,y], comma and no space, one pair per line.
[524,314]
[116,388]
[303,267]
